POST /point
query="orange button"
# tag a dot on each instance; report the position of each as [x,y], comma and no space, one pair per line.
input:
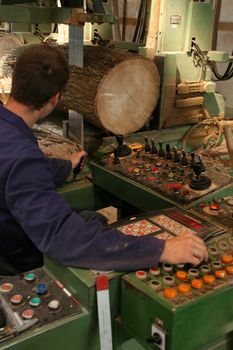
[209,279]
[229,270]
[169,293]
[220,274]
[184,288]
[227,259]
[197,284]
[181,275]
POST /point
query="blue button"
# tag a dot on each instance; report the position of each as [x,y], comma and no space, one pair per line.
[42,288]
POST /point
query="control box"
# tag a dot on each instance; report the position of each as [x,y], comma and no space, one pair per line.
[36,312]
[182,306]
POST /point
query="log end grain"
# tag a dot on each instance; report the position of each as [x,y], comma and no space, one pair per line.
[127,95]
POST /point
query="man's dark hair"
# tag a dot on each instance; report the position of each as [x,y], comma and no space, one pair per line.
[40,72]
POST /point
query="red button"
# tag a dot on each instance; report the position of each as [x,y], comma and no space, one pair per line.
[214,206]
[28,314]
[6,287]
[141,275]
[16,299]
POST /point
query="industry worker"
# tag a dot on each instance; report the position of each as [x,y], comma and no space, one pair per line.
[34,218]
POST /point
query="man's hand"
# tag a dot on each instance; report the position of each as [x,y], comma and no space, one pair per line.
[186,248]
[76,158]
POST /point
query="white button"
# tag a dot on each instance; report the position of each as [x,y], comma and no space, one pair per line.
[54,304]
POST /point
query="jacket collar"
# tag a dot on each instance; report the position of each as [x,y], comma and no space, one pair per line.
[17,121]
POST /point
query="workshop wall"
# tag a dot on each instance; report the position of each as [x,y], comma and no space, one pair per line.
[224,43]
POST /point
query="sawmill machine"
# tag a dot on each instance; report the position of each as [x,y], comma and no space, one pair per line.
[187,123]
[166,174]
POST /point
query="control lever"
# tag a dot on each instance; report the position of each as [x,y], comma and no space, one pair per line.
[122,150]
[77,169]
[201,182]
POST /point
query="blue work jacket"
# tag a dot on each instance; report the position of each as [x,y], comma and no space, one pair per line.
[35,219]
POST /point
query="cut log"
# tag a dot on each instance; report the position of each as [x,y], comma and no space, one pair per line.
[115,90]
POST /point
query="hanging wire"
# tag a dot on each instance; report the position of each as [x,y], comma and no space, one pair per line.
[200,57]
[140,26]
[228,74]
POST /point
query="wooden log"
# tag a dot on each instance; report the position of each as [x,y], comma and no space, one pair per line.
[115,90]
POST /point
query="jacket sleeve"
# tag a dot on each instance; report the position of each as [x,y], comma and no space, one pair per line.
[60,169]
[63,235]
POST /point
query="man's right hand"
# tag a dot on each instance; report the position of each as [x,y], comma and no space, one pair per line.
[186,248]
[76,158]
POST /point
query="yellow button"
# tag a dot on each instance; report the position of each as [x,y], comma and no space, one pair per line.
[170,293]
[229,269]
[197,284]
[220,274]
[184,288]
[209,279]
[227,259]
[181,275]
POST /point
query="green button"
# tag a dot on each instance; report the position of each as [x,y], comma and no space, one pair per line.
[35,302]
[30,277]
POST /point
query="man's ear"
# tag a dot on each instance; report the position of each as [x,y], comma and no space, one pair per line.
[55,99]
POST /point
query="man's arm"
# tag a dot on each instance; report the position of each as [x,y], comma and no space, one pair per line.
[61,168]
[62,234]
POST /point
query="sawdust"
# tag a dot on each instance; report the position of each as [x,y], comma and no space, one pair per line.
[54,145]
[110,213]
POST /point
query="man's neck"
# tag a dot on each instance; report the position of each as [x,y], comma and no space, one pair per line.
[29,115]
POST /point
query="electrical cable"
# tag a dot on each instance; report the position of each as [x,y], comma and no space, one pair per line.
[228,74]
[202,58]
[140,22]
